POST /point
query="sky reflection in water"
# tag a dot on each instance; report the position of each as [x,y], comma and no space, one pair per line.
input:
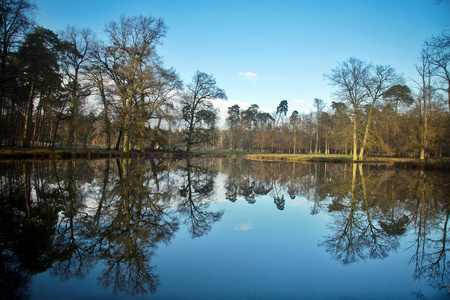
[221,229]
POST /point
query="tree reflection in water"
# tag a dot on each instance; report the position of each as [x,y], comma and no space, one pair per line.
[68,216]
[372,208]
[430,216]
[356,235]
[196,191]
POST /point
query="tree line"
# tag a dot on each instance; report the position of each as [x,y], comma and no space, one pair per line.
[70,89]
[374,113]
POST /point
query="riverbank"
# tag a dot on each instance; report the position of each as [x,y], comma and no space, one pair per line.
[11,153]
[440,163]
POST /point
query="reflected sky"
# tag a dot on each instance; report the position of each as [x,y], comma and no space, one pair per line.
[278,258]
[168,230]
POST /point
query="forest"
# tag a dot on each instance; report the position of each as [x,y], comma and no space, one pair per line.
[72,90]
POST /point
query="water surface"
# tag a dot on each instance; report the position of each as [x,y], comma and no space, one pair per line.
[222,229]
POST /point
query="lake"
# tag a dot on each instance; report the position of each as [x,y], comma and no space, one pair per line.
[214,228]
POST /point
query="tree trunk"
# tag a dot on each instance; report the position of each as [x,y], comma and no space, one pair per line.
[295,141]
[448,95]
[317,139]
[424,150]
[366,134]
[119,139]
[126,130]
[355,136]
[126,139]
[28,115]
[73,111]
[191,128]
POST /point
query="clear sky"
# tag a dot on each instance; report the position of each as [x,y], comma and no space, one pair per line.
[263,52]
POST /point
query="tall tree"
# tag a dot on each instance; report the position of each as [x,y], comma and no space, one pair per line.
[319,105]
[282,109]
[128,59]
[38,57]
[97,77]
[350,78]
[233,122]
[250,122]
[157,103]
[380,80]
[197,109]
[397,94]
[79,46]
[16,20]
[294,121]
[424,101]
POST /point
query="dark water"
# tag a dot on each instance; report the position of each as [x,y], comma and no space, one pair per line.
[222,229]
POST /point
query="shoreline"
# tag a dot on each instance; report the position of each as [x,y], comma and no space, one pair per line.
[18,153]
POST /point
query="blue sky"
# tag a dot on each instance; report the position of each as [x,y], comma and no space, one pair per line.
[263,52]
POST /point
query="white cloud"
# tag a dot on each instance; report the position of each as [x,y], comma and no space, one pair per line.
[244,227]
[249,75]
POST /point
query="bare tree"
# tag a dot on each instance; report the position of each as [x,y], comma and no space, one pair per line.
[424,101]
[15,21]
[128,60]
[197,109]
[439,57]
[78,54]
[378,83]
[350,77]
[98,76]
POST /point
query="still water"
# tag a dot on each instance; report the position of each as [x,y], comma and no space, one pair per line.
[222,229]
